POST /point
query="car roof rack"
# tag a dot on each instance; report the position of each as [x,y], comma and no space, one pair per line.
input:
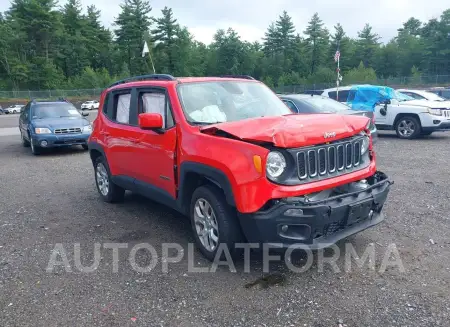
[238,76]
[151,77]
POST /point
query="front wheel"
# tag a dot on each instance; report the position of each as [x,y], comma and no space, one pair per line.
[109,191]
[214,222]
[408,127]
[25,143]
[34,148]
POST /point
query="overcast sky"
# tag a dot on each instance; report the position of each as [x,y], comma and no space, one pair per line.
[250,18]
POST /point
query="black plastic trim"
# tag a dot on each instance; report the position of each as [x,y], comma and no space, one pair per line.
[214,175]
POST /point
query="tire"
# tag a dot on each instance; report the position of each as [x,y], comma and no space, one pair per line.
[85,147]
[112,193]
[25,143]
[228,229]
[408,127]
[34,148]
[92,108]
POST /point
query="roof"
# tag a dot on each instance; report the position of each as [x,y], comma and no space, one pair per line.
[165,79]
[299,96]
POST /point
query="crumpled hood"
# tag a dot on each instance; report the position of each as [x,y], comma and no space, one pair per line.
[64,122]
[428,103]
[292,131]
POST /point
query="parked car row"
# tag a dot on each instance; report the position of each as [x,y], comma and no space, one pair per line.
[14,109]
[411,113]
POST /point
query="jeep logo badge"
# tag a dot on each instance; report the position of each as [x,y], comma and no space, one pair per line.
[327,135]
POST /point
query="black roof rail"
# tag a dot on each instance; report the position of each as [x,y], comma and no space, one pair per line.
[238,76]
[154,77]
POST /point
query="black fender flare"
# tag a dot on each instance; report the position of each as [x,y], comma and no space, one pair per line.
[214,175]
[94,146]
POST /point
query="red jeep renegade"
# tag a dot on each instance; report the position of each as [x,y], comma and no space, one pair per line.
[227,152]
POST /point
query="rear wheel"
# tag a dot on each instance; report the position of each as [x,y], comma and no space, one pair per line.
[408,127]
[109,191]
[214,222]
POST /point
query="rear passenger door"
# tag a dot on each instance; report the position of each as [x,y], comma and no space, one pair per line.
[118,132]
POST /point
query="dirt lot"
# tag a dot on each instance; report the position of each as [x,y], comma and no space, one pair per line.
[52,199]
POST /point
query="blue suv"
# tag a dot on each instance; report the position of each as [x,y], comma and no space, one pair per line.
[50,124]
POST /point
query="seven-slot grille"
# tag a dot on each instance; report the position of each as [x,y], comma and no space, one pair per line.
[67,130]
[337,158]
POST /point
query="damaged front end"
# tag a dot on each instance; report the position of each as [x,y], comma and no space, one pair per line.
[320,219]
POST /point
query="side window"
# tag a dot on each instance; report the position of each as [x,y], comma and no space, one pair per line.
[156,102]
[26,112]
[343,95]
[122,103]
[291,105]
[332,95]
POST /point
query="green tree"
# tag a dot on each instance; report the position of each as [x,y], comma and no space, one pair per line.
[133,23]
[316,42]
[367,44]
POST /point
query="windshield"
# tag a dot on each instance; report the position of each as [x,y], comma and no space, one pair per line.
[325,105]
[55,110]
[431,96]
[225,101]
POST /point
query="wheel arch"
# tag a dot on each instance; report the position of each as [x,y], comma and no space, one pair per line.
[193,175]
[95,151]
[405,114]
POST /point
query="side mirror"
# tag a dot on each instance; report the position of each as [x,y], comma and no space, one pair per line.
[85,114]
[150,121]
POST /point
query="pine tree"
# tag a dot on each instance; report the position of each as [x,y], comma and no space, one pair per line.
[316,42]
[165,35]
[367,44]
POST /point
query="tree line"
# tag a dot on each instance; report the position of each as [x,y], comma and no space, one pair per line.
[45,46]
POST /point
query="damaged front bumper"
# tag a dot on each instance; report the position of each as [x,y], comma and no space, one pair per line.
[319,220]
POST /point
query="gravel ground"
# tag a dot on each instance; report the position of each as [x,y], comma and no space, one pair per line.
[52,199]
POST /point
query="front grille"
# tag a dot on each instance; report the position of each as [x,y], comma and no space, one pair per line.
[328,160]
[446,113]
[67,130]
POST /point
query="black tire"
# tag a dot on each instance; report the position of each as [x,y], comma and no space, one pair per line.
[25,143]
[92,108]
[417,128]
[427,133]
[229,229]
[114,193]
[35,149]
[85,147]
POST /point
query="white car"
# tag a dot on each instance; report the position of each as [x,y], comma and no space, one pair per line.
[90,105]
[410,118]
[426,95]
[15,109]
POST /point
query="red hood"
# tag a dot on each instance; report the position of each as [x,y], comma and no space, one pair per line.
[292,131]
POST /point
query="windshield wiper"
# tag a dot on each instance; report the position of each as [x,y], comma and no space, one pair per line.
[201,123]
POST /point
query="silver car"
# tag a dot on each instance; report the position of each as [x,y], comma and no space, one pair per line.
[318,104]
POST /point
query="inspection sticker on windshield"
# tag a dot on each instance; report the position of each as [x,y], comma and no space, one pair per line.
[73,112]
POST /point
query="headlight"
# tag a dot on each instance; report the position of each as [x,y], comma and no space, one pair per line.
[87,129]
[436,112]
[364,145]
[275,164]
[42,131]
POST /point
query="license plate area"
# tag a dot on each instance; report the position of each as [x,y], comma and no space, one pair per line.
[359,211]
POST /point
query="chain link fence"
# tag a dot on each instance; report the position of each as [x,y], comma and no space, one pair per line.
[51,94]
[397,82]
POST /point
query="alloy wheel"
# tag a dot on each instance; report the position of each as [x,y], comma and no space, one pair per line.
[406,128]
[206,224]
[102,179]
